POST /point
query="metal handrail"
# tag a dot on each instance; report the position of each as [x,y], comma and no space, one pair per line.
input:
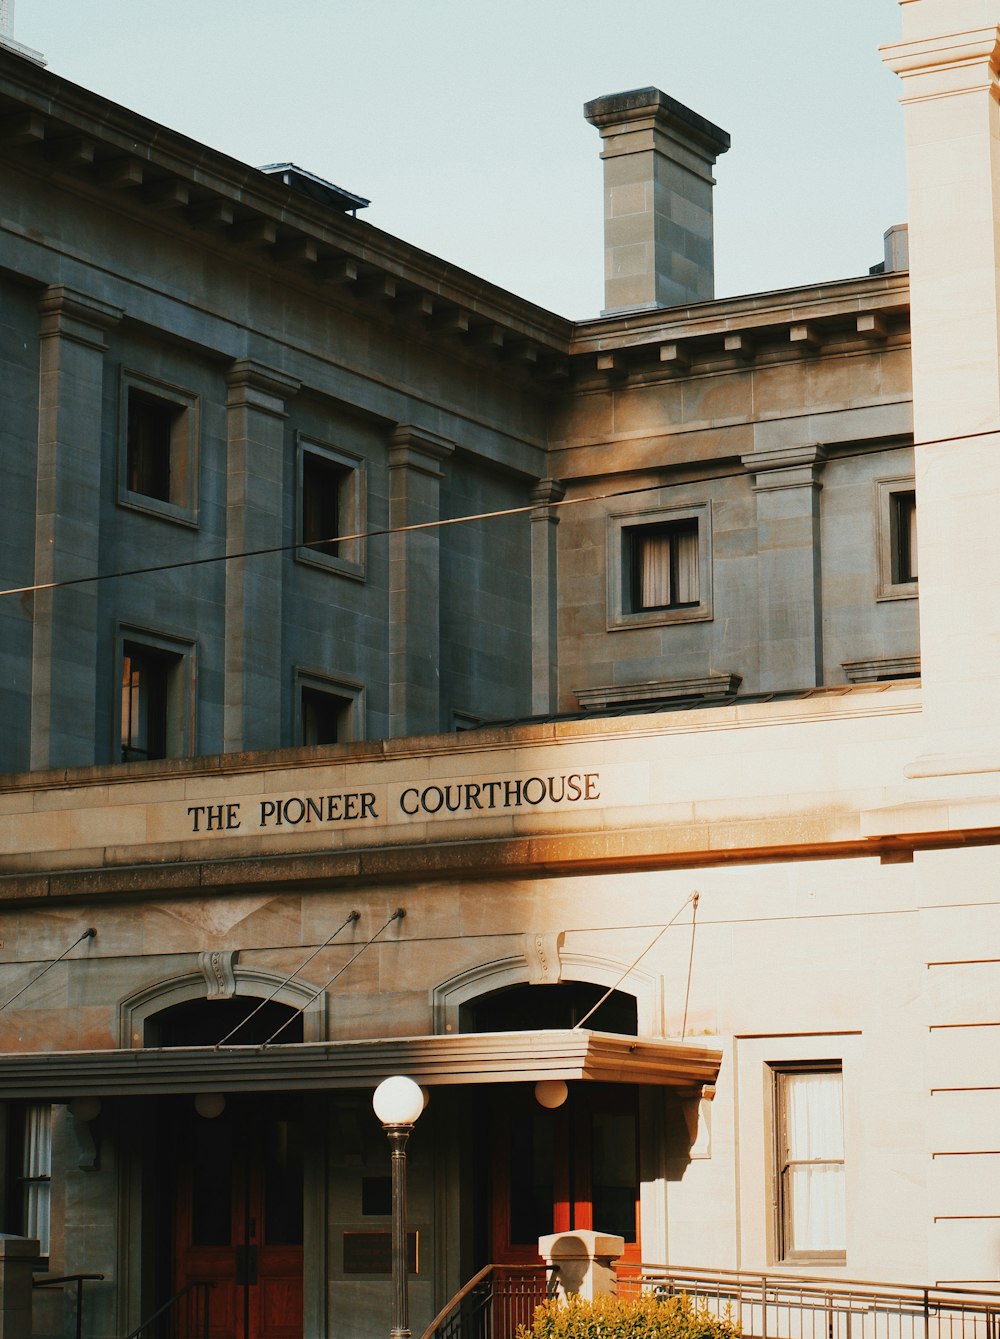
[172,1301]
[811,1306]
[490,1276]
[53,1280]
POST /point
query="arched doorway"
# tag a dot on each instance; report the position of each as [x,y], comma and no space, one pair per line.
[555,1170]
[230,1178]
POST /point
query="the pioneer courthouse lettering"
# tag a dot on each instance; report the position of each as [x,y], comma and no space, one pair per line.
[360,805]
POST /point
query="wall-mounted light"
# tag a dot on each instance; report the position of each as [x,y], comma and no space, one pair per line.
[210,1105]
[551,1093]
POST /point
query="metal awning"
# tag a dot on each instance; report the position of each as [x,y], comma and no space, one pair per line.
[457,1059]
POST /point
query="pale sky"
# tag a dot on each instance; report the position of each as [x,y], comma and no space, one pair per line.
[462,120]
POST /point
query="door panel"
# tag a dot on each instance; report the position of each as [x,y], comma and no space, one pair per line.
[553,1171]
[238,1216]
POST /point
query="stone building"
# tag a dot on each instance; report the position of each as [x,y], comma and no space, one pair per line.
[388,665]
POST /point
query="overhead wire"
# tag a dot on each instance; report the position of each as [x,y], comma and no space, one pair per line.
[440,523]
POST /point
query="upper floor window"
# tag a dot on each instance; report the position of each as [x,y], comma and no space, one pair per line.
[896,539]
[159,448]
[659,567]
[330,711]
[155,704]
[330,504]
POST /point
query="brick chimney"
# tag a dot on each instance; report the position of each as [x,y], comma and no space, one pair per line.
[658,237]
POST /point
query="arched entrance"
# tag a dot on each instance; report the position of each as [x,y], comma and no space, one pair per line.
[555,1170]
[230,1181]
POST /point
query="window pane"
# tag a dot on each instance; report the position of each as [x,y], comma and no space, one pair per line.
[614,1185]
[814,1116]
[816,1208]
[36,1168]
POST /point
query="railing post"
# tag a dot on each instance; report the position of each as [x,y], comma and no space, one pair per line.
[763,1307]
[18,1256]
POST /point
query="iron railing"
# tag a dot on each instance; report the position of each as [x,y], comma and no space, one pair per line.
[58,1280]
[492,1304]
[790,1306]
[183,1316]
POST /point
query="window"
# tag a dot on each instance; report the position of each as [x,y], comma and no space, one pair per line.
[896,526]
[662,565]
[659,568]
[903,526]
[159,450]
[29,1163]
[330,508]
[810,1216]
[330,711]
[155,699]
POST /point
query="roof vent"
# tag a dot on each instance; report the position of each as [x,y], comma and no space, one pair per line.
[308,184]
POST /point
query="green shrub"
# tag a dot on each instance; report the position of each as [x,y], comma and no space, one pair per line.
[644,1317]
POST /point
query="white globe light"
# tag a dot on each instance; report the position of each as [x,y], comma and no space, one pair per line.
[210,1105]
[551,1093]
[398,1101]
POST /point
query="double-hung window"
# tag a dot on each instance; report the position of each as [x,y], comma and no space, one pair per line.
[810,1204]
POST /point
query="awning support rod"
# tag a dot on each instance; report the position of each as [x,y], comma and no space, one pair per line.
[87,934]
[354,916]
[397,915]
[693,897]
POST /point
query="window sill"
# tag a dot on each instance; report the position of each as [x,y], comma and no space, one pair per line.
[327,562]
[164,511]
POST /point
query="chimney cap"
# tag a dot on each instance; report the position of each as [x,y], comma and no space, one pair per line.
[616,109]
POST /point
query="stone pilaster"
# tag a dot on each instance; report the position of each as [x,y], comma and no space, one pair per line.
[258,470]
[415,460]
[790,618]
[65,689]
[948,62]
[544,601]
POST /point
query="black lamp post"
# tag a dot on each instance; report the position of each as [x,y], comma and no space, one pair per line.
[398,1102]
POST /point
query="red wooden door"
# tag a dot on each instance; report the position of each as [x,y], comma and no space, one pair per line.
[238,1221]
[553,1171]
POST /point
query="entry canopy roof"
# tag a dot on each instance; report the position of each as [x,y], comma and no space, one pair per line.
[458,1058]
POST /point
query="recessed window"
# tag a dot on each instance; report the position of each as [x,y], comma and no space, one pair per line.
[330,711]
[330,508]
[903,526]
[155,699]
[659,567]
[810,1201]
[896,538]
[159,448]
[662,565]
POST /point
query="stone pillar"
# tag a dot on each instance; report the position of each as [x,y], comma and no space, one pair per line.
[658,230]
[790,619]
[17,1257]
[258,470]
[415,459]
[948,61]
[64,685]
[584,1261]
[544,598]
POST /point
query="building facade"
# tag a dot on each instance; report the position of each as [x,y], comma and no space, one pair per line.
[396,671]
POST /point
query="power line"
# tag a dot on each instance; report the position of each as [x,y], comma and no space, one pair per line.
[429,525]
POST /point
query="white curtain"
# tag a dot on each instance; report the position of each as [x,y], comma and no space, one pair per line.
[654,571]
[37,1169]
[814,1124]
[668,567]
